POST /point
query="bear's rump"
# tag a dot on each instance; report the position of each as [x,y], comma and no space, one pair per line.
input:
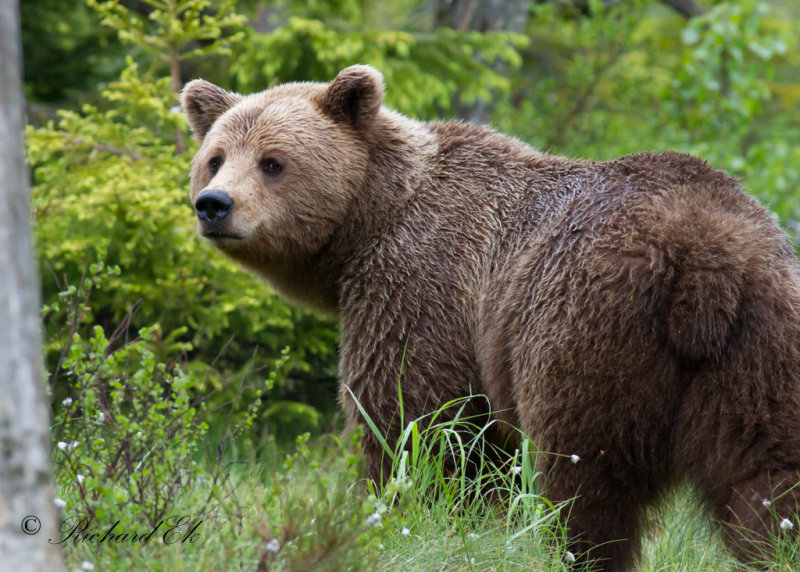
[614,314]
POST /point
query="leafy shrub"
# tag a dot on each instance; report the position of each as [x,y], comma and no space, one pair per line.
[129,428]
[133,446]
[582,75]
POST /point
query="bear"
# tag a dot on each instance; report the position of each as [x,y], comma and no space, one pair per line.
[638,318]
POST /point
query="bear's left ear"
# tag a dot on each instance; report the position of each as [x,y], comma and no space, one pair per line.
[203,103]
[355,96]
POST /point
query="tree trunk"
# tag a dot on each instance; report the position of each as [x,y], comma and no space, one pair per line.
[26,492]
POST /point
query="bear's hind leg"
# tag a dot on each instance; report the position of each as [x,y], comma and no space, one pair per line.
[738,439]
[603,510]
[760,510]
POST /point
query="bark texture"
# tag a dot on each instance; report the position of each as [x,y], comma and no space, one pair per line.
[25,485]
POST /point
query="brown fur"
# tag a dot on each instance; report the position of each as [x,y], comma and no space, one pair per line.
[643,313]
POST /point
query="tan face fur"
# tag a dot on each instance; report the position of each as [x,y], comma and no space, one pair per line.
[290,159]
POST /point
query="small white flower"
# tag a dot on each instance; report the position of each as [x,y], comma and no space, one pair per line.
[569,557]
[67,402]
[574,459]
[80,478]
[138,434]
[273,545]
[405,532]
[516,470]
[101,417]
[86,565]
[60,503]
[374,519]
[767,503]
[469,561]
[473,535]
[787,524]
[62,445]
[67,446]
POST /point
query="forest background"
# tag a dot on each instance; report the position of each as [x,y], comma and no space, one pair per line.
[149,331]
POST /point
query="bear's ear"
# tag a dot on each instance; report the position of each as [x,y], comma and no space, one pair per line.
[355,96]
[203,103]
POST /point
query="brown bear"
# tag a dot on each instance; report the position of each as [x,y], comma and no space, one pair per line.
[642,314]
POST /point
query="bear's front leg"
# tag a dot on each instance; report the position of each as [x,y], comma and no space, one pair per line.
[395,371]
[378,461]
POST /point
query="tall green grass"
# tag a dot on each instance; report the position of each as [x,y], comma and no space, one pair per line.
[450,503]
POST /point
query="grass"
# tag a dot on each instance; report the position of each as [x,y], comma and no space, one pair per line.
[319,519]
[309,509]
[680,536]
[314,532]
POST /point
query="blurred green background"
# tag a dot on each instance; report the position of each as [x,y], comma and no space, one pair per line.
[109,151]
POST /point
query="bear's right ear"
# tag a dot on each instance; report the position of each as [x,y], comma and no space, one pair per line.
[203,103]
[355,95]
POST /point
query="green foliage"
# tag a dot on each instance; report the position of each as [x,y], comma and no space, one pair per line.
[722,82]
[722,92]
[182,26]
[581,73]
[126,450]
[133,448]
[425,70]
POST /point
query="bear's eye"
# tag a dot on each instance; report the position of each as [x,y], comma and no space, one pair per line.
[214,164]
[270,166]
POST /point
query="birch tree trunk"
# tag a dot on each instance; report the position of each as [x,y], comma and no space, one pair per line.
[26,492]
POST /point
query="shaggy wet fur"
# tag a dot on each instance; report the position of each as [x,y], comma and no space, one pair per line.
[642,313]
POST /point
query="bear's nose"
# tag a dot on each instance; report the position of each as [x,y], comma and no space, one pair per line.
[213,206]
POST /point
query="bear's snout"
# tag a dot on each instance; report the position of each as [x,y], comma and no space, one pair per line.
[213,206]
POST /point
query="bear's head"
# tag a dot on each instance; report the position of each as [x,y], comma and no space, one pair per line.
[277,171]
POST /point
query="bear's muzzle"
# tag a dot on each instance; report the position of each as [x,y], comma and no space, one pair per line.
[213,208]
